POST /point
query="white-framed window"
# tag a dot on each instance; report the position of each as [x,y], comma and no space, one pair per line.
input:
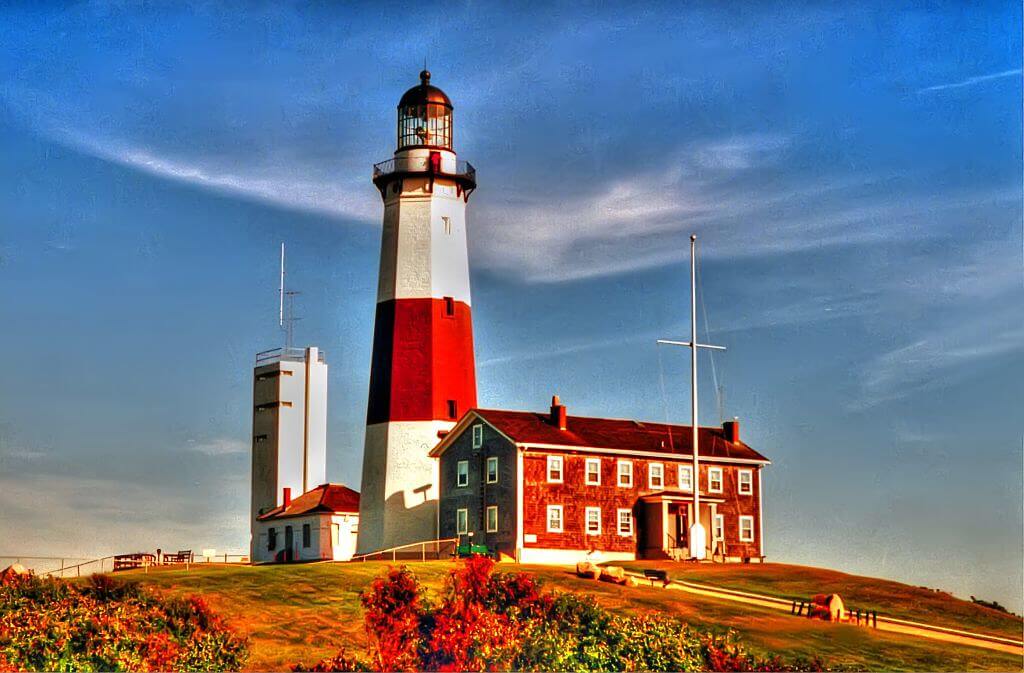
[714,480]
[718,532]
[655,475]
[492,470]
[593,520]
[746,528]
[492,519]
[462,473]
[461,521]
[746,482]
[624,519]
[554,518]
[555,464]
[624,469]
[593,471]
[478,435]
[686,477]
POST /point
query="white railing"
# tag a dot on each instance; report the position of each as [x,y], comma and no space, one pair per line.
[422,551]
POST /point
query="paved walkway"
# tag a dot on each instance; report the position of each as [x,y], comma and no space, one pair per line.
[919,629]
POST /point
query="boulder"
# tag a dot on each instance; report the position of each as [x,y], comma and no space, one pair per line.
[613,574]
[12,572]
[828,607]
[587,569]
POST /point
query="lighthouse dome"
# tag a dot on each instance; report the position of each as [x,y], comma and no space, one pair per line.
[425,117]
[424,93]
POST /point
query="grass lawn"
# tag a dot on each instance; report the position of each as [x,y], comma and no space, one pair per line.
[865,593]
[307,612]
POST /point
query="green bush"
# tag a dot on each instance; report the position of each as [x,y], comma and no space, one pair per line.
[106,625]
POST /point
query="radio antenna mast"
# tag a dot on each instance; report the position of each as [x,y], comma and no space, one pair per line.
[286,321]
[280,310]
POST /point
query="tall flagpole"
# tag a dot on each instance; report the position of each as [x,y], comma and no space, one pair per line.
[698,536]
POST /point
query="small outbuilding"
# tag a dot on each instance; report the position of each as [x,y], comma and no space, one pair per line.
[319,525]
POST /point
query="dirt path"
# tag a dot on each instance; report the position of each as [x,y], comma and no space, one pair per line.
[884,623]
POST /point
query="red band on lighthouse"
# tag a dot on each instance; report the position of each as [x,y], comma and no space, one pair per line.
[422,361]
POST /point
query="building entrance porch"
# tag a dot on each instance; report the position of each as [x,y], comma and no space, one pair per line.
[664,525]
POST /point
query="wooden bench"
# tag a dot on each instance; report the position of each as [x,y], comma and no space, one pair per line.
[183,556]
[653,574]
[133,561]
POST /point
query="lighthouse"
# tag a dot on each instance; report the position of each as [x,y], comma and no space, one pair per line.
[422,372]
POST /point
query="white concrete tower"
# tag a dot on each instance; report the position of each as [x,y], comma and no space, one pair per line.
[289,427]
[422,376]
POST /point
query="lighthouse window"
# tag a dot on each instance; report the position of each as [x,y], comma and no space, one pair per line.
[449,307]
[447,222]
[453,409]
[425,125]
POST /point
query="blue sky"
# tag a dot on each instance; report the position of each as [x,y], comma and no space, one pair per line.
[854,176]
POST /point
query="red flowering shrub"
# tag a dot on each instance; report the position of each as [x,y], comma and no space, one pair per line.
[394,608]
[52,625]
[487,621]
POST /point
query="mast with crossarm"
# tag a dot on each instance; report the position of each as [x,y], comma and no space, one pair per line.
[697,536]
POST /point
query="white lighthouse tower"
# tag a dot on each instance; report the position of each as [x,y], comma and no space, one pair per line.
[422,376]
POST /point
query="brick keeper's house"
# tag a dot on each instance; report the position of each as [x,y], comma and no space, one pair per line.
[554,488]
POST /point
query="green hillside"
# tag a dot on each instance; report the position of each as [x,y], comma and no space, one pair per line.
[307,612]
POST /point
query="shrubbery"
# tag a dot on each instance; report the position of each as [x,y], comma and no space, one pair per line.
[106,625]
[501,622]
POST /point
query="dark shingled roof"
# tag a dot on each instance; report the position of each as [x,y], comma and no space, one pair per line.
[527,427]
[324,498]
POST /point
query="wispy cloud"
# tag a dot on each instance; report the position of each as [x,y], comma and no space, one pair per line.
[641,221]
[972,314]
[939,359]
[971,81]
[219,447]
[289,186]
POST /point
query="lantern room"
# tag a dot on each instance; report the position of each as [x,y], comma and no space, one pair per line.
[425,117]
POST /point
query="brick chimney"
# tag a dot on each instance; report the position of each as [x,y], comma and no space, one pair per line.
[287,496]
[557,413]
[731,430]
